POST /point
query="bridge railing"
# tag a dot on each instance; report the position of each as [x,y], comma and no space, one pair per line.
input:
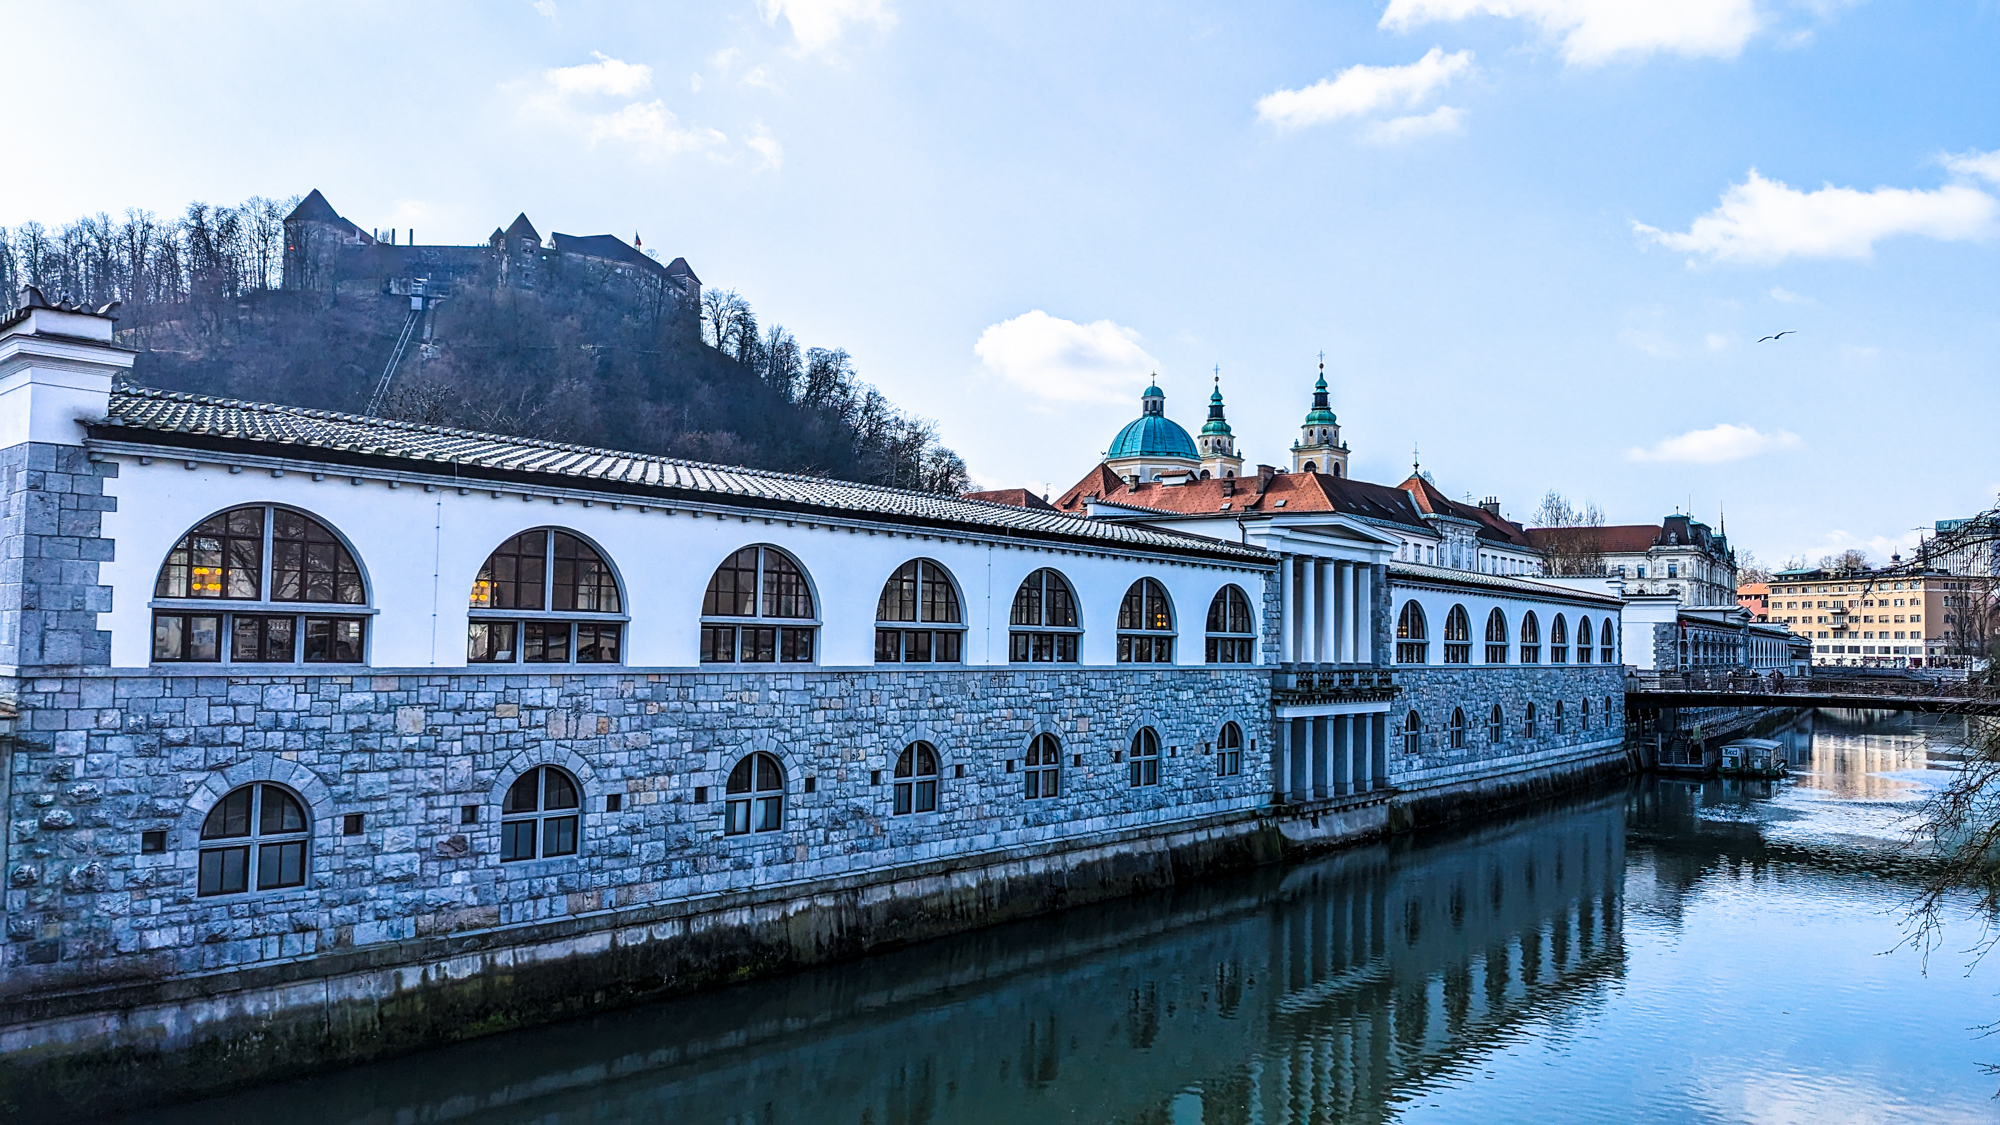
[1738,681]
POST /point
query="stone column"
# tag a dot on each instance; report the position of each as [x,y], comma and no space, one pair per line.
[1362,759]
[1320,752]
[1281,760]
[1301,750]
[1338,621]
[1308,641]
[1329,610]
[1364,614]
[1288,602]
[1379,751]
[1343,754]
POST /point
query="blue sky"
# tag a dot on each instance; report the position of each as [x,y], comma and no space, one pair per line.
[1537,239]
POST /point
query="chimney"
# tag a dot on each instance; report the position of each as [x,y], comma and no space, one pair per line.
[1229,486]
[57,364]
[1491,504]
[1264,475]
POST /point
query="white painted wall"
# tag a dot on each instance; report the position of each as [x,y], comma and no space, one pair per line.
[1437,603]
[421,550]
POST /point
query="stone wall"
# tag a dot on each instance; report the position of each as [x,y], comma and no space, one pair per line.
[52,503]
[103,758]
[1433,691]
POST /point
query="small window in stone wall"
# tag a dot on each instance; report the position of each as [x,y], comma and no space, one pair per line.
[1043,768]
[1528,722]
[1229,750]
[1496,726]
[755,796]
[1457,728]
[1559,717]
[1413,733]
[916,779]
[256,836]
[1145,761]
[538,816]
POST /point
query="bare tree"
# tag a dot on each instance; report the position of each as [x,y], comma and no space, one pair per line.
[722,310]
[1850,559]
[1571,538]
[1749,569]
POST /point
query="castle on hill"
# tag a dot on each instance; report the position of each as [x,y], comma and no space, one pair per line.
[325,252]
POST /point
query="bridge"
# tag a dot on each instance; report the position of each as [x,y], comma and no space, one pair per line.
[1722,688]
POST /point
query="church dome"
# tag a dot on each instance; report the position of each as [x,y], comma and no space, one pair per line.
[1153,434]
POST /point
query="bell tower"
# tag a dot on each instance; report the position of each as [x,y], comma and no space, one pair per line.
[1318,449]
[1216,442]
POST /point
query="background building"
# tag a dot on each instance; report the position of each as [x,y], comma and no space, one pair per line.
[1897,618]
[1680,556]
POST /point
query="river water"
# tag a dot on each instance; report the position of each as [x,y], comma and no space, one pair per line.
[1667,951]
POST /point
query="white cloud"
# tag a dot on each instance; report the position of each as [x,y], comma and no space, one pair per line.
[761,78]
[1594,32]
[724,59]
[1065,361]
[652,130]
[1780,293]
[765,146]
[1762,222]
[1650,342]
[1718,443]
[573,99]
[817,24]
[1985,165]
[1716,341]
[1443,119]
[548,10]
[607,76]
[1360,90]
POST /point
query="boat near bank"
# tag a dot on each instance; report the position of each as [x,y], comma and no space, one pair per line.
[1753,757]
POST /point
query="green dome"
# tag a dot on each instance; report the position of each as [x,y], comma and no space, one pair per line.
[1322,412]
[1153,435]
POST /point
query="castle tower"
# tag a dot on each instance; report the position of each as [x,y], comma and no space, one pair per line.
[1217,444]
[1318,449]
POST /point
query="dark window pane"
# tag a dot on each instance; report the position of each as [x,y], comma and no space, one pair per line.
[785,593]
[204,638]
[899,595]
[545,642]
[560,791]
[902,804]
[224,871]
[525,794]
[279,812]
[281,865]
[770,775]
[335,640]
[718,644]
[948,646]
[770,813]
[732,591]
[559,836]
[741,776]
[597,644]
[512,576]
[1028,602]
[760,646]
[582,579]
[230,816]
[798,646]
[888,646]
[940,600]
[917,646]
[309,563]
[517,840]
[737,818]
[490,642]
[926,796]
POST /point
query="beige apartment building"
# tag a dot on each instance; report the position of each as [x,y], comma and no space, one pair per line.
[1897,620]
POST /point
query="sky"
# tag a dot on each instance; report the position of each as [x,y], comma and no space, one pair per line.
[1538,241]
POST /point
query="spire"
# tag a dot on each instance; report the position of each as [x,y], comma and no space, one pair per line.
[1154,400]
[1216,423]
[1322,410]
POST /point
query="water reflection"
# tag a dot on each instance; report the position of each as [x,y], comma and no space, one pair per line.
[1445,976]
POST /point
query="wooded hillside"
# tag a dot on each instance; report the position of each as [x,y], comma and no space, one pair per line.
[201,300]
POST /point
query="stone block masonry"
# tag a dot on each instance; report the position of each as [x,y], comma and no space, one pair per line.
[52,503]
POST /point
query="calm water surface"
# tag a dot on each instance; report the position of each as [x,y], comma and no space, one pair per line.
[1670,952]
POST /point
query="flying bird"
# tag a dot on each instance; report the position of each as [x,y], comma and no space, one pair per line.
[1786,332]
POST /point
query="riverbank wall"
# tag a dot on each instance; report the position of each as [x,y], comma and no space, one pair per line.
[412,933]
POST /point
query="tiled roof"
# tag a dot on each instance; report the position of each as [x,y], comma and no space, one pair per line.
[1012,497]
[1628,538]
[141,414]
[1499,583]
[606,246]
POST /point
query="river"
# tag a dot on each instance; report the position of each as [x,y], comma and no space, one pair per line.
[1665,951]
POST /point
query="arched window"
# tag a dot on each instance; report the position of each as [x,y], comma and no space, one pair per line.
[919,593]
[544,597]
[1583,640]
[766,585]
[1413,733]
[1311,467]
[1044,767]
[756,796]
[917,779]
[1531,639]
[1229,750]
[1458,728]
[1607,642]
[1583,715]
[1232,630]
[256,836]
[1145,625]
[1496,726]
[1496,637]
[1145,758]
[1457,636]
[288,574]
[1411,647]
[1528,724]
[1558,641]
[1608,708]
[1043,621]
[1559,718]
[538,816]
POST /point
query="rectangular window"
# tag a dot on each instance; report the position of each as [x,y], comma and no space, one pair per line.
[187,636]
[517,840]
[1558,654]
[949,646]
[736,818]
[760,645]
[152,843]
[335,640]
[545,642]
[224,871]
[559,836]
[1496,654]
[795,646]
[770,813]
[254,640]
[888,646]
[718,644]
[491,642]
[1531,654]
[597,643]
[281,865]
[1458,654]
